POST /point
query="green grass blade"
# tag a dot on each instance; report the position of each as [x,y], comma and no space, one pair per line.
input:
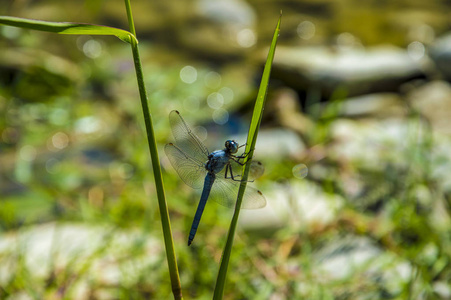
[163,208]
[158,177]
[251,140]
[68,28]
[89,29]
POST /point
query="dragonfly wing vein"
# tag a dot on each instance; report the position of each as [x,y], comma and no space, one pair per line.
[186,139]
[225,192]
[190,170]
[257,170]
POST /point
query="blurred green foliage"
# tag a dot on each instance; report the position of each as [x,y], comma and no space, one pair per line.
[73,151]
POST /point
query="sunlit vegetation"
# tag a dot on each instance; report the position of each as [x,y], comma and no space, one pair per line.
[358,194]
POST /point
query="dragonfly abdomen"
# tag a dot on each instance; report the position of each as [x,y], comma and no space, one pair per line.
[208,183]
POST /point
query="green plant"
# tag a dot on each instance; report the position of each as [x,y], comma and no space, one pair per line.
[130,38]
[250,146]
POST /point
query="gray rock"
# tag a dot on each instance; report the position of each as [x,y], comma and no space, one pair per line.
[95,253]
[357,71]
[279,144]
[375,105]
[353,256]
[231,13]
[292,204]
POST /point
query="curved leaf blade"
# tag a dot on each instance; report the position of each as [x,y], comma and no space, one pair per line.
[68,28]
[250,146]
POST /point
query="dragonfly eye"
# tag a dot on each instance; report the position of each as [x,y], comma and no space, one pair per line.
[232,146]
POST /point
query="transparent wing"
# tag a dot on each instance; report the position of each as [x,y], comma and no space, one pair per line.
[188,156]
[186,140]
[190,170]
[225,192]
[257,170]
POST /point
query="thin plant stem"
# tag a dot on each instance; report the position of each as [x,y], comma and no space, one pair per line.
[250,146]
[166,225]
[128,37]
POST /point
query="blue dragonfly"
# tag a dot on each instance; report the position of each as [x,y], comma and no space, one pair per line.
[216,172]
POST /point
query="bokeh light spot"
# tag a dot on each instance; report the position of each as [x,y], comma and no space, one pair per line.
[201,132]
[60,140]
[220,116]
[300,171]
[52,166]
[227,94]
[246,38]
[27,153]
[306,30]
[215,100]
[92,48]
[188,74]
[416,50]
[212,80]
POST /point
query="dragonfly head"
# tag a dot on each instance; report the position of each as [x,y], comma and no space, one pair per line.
[231,146]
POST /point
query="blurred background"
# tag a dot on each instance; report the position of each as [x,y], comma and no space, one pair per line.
[355,141]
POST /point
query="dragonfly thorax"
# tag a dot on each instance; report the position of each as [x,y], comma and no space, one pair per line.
[217,161]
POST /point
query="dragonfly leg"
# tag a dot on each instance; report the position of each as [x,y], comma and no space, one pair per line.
[229,169]
[244,155]
[237,159]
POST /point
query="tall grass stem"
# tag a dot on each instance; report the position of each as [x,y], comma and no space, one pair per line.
[250,146]
[166,225]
